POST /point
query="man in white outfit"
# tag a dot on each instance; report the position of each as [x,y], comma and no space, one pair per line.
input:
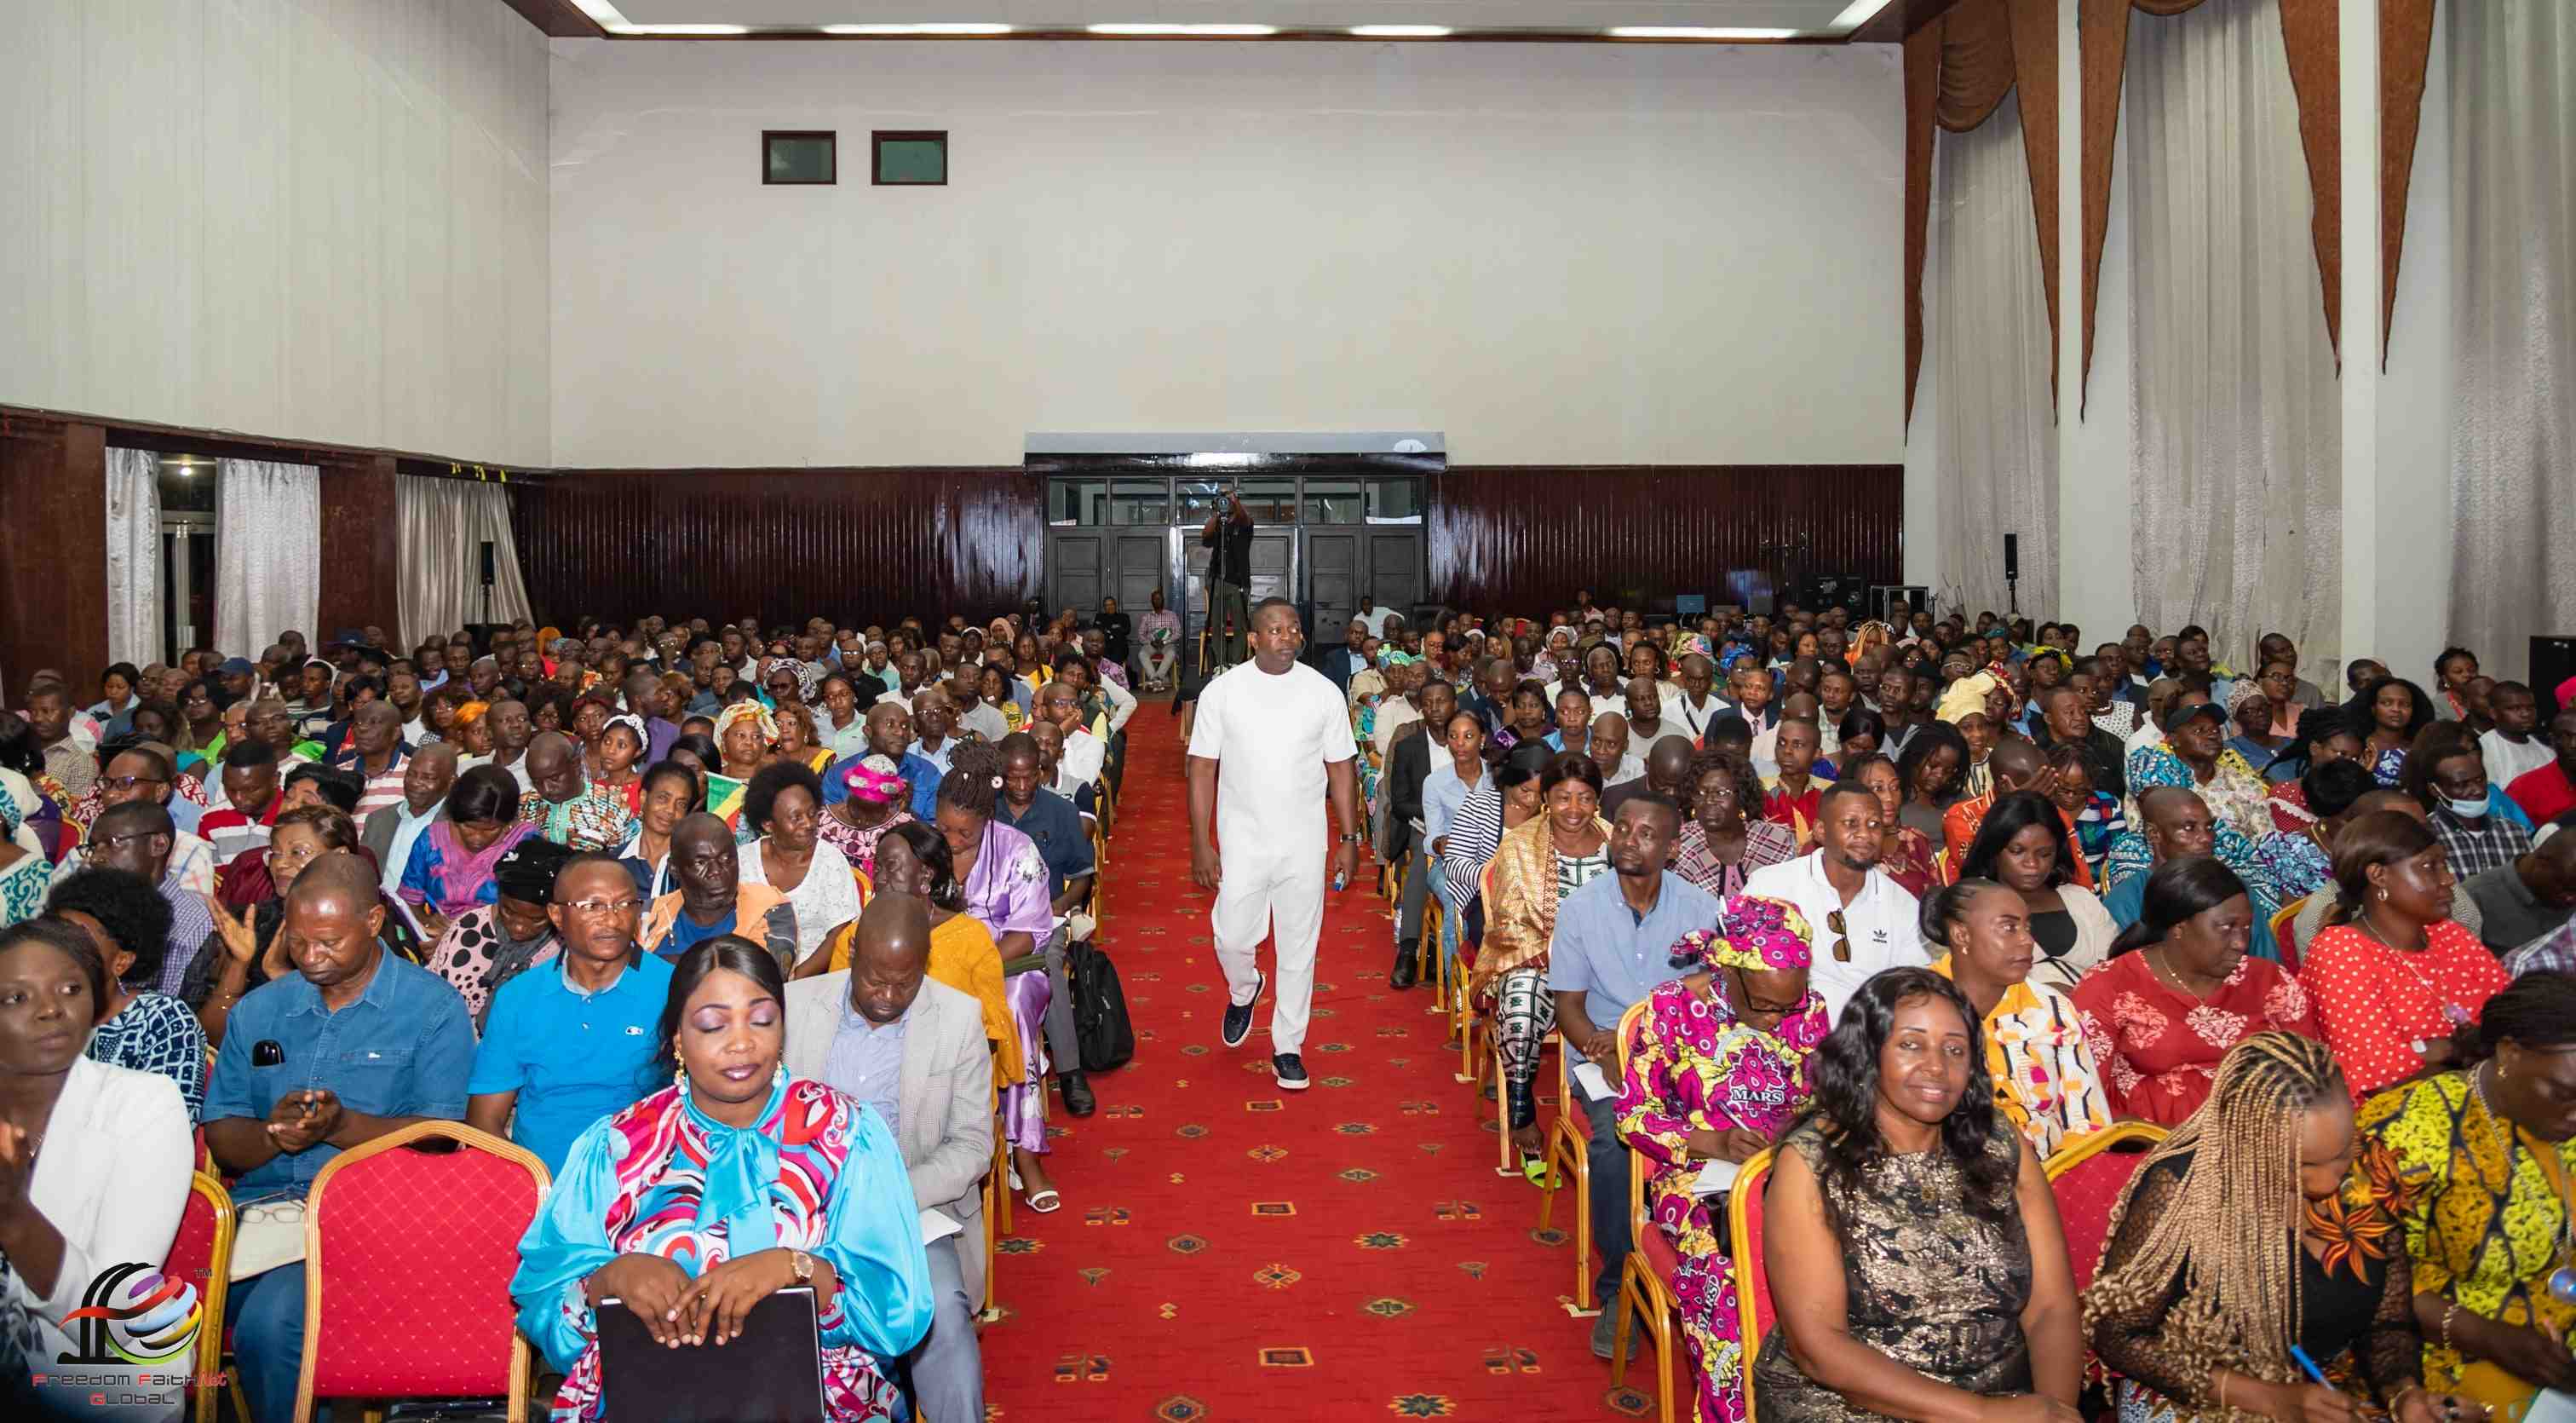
[1271,736]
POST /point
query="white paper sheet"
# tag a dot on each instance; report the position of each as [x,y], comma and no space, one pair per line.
[1589,1077]
[1714,1176]
[935,1225]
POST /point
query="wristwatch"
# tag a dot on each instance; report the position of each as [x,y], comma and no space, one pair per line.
[1352,838]
[803,1265]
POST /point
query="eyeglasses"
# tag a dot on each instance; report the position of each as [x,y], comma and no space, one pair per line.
[595,907]
[1842,936]
[108,841]
[127,783]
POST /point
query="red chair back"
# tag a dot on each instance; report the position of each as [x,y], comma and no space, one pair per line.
[407,1265]
[2087,1176]
[201,1254]
[1754,1312]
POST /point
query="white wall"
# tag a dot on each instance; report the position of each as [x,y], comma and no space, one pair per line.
[310,219]
[1653,254]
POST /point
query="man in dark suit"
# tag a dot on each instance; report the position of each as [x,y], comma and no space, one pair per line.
[1342,661]
[1408,765]
[1491,700]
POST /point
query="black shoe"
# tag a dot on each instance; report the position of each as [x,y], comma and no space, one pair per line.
[1401,976]
[1077,1095]
[1290,1069]
[1238,1017]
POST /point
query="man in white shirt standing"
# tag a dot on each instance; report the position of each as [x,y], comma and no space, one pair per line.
[1269,740]
[1863,921]
[1377,615]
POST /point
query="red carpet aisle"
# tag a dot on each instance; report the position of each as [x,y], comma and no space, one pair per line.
[1230,1252]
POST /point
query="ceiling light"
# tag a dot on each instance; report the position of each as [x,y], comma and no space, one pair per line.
[680,31]
[1855,15]
[602,13]
[1401,32]
[935,27]
[1159,28]
[1696,32]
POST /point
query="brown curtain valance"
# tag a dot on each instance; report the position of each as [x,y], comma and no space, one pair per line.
[1958,69]
[2309,32]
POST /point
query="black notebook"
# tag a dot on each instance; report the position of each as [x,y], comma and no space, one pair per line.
[772,1374]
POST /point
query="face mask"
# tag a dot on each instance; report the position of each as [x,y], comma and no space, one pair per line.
[2467,809]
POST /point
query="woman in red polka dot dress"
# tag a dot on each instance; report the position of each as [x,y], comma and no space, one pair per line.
[2392,976]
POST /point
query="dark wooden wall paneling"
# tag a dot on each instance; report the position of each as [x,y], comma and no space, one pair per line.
[782,545]
[361,547]
[53,553]
[1523,538]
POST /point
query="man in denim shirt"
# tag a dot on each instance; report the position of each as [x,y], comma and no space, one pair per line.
[356,1044]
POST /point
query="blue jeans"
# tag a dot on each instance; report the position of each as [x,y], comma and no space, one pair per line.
[1452,912]
[266,1313]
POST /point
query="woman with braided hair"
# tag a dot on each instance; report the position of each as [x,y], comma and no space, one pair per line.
[2251,1232]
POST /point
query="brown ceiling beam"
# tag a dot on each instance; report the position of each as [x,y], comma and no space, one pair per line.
[1893,24]
[559,18]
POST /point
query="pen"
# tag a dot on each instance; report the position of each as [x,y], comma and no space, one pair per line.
[2308,1366]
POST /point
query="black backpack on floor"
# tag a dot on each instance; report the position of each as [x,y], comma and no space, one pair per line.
[1100,1026]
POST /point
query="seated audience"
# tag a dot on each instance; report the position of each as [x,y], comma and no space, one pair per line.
[734,1182]
[2394,711]
[1722,1068]
[570,1040]
[1004,880]
[141,772]
[671,793]
[94,1163]
[886,1036]
[2015,767]
[450,870]
[251,805]
[1918,1221]
[1537,868]
[1727,836]
[2174,823]
[2045,1078]
[389,834]
[1905,854]
[2550,792]
[714,899]
[2393,977]
[1790,797]
[137,837]
[565,806]
[275,1117]
[1611,945]
[2477,823]
[2481,1148]
[1864,921]
[2193,1310]
[1932,769]
[2512,751]
[2180,990]
[490,944]
[2300,861]
[139,1027]
[874,799]
[2023,844]
[2530,897]
[2193,757]
[783,807]
[1054,826]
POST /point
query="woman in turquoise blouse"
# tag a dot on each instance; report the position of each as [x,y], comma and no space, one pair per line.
[733,1183]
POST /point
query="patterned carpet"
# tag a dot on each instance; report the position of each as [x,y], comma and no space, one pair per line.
[1229,1252]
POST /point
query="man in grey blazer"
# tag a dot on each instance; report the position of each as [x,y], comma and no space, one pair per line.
[914,1051]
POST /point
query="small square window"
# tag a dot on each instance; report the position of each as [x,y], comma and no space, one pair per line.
[911,157]
[799,157]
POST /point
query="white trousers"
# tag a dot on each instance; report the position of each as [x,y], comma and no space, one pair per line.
[1262,892]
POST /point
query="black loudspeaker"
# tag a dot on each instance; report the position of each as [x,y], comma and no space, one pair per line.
[2012,557]
[487,563]
[2553,660]
[1848,591]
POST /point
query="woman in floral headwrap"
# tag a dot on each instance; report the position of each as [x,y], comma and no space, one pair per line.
[1722,1069]
[878,801]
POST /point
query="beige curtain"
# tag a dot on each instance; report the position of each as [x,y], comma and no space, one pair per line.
[444,524]
[2513,314]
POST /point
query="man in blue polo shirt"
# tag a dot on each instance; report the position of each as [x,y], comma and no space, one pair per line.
[356,1043]
[572,1041]
[890,736]
[1047,819]
[1612,945]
